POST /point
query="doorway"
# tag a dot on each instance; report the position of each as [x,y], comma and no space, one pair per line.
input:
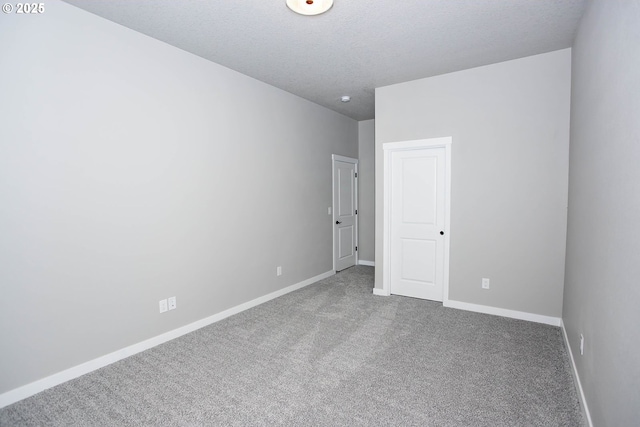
[345,212]
[417,218]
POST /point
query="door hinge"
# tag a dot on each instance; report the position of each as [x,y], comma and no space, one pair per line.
[356,248]
[356,211]
[356,174]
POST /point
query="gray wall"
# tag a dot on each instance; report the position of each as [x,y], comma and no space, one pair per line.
[602,291]
[510,129]
[131,171]
[366,190]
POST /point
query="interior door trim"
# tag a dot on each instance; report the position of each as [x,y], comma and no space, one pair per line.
[389,148]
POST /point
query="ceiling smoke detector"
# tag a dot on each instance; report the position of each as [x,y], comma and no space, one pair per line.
[309,7]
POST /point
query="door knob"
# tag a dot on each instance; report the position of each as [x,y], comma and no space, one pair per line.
[442,233]
[338,222]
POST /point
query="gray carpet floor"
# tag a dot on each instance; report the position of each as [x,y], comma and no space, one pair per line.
[329,354]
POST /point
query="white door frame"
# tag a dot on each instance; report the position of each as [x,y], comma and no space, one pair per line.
[334,158]
[389,148]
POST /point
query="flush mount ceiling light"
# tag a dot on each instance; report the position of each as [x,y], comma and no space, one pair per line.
[345,98]
[309,7]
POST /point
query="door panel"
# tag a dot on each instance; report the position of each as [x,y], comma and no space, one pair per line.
[347,245]
[419,192]
[346,181]
[345,217]
[418,260]
[417,218]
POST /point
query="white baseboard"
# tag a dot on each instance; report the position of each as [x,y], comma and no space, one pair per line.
[576,378]
[380,292]
[521,315]
[369,263]
[30,389]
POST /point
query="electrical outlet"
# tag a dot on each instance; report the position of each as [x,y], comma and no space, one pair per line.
[485,283]
[279,271]
[163,305]
[581,345]
[329,210]
[172,303]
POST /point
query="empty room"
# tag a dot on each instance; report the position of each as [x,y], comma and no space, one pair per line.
[320,212]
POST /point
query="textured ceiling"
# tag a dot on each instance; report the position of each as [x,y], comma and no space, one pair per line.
[355,47]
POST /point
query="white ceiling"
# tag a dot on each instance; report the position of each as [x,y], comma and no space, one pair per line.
[355,47]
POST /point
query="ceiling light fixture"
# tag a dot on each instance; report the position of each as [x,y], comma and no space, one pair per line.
[309,7]
[345,98]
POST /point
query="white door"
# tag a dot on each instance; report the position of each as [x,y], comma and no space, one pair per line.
[345,237]
[417,223]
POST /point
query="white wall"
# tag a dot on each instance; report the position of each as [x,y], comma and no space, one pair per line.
[366,190]
[510,129]
[131,171]
[602,291]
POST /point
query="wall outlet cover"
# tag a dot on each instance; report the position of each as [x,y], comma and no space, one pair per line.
[485,283]
[172,303]
[163,305]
